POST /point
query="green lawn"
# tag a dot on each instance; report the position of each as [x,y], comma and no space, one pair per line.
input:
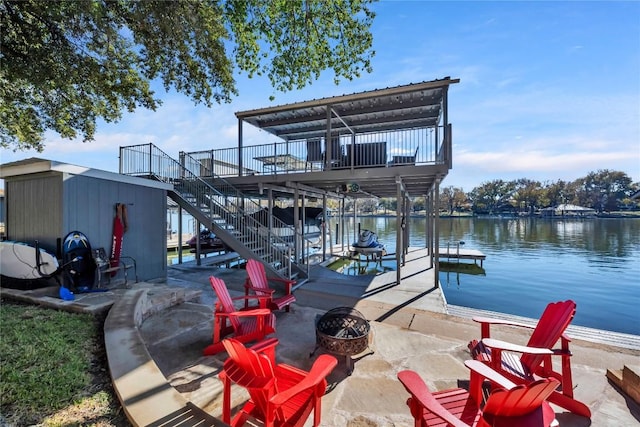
[53,369]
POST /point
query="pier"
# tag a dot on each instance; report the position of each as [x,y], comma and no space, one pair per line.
[172,241]
[458,253]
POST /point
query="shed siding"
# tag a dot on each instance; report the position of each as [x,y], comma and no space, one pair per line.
[90,208]
[34,209]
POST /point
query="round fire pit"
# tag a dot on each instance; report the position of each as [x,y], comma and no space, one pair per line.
[343,331]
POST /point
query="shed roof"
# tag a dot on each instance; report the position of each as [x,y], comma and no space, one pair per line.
[401,107]
[35,165]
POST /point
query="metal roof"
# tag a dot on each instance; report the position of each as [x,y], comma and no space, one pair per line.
[402,107]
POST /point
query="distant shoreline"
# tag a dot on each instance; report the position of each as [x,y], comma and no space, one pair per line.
[615,215]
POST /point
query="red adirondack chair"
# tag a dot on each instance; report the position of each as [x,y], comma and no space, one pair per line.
[246,325]
[509,406]
[523,364]
[258,282]
[280,395]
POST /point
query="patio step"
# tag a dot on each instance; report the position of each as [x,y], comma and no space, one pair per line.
[627,379]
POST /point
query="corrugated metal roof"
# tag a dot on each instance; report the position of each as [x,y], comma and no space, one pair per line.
[401,107]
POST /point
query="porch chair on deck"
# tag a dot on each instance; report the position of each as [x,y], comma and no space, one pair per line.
[246,325]
[314,152]
[280,394]
[404,160]
[510,405]
[337,153]
[258,282]
[525,364]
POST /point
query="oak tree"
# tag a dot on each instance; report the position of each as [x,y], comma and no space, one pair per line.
[65,64]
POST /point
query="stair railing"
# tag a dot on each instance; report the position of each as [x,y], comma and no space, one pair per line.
[147,160]
[224,187]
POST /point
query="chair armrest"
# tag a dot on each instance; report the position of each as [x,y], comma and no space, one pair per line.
[288,283]
[260,290]
[280,279]
[507,346]
[322,367]
[249,297]
[247,313]
[420,392]
[493,321]
[486,322]
[489,373]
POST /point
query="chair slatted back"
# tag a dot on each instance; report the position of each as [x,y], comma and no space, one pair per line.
[258,277]
[252,371]
[554,321]
[224,303]
[520,400]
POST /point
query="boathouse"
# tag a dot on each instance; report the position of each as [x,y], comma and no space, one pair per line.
[394,142]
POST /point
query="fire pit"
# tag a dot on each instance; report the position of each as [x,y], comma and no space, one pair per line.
[343,331]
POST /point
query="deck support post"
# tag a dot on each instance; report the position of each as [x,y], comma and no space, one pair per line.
[436,231]
[399,231]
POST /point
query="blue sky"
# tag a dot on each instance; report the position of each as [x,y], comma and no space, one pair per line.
[548,90]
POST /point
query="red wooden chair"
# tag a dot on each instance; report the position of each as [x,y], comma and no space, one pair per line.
[246,325]
[280,395]
[509,406]
[523,364]
[258,282]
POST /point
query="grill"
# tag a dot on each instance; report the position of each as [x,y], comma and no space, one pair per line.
[343,331]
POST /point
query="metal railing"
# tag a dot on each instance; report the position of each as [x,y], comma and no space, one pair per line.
[218,206]
[421,146]
[234,197]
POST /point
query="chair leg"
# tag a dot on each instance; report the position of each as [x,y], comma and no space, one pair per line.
[213,349]
[570,404]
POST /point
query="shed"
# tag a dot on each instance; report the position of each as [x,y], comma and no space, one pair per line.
[45,200]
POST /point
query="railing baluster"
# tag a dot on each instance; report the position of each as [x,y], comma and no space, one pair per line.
[216,200]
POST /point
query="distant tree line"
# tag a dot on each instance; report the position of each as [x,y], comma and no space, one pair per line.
[604,190]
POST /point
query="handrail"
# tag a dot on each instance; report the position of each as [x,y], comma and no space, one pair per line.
[224,187]
[149,161]
[232,193]
[295,156]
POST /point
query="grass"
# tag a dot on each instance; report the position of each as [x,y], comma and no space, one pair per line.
[53,369]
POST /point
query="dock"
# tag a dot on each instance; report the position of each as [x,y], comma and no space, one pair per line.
[457,253]
[172,241]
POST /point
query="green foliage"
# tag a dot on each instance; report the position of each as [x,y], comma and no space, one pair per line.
[45,357]
[493,195]
[452,199]
[67,63]
[604,190]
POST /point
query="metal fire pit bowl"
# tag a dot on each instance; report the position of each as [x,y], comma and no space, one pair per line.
[343,331]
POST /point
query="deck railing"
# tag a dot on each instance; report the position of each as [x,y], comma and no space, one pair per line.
[423,146]
[218,204]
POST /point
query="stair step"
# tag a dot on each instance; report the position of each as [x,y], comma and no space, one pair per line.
[627,379]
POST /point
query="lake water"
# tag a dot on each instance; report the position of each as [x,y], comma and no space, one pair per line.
[531,262]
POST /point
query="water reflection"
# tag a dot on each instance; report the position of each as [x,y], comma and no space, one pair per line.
[531,262]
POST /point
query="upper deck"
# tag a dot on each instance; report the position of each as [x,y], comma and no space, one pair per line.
[365,144]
